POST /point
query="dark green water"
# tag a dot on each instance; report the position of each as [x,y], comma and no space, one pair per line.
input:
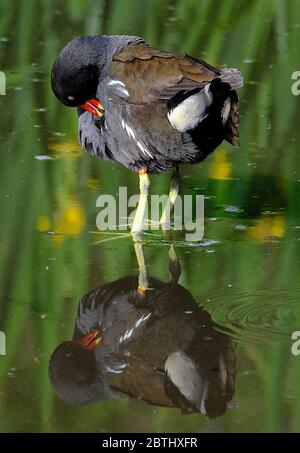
[246,272]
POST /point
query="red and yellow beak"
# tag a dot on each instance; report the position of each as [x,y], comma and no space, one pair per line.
[94,106]
[90,341]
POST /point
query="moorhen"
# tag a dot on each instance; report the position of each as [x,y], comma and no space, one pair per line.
[145,339]
[160,347]
[146,108]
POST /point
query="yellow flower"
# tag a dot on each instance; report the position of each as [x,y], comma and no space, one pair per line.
[72,219]
[220,168]
[92,184]
[70,149]
[69,220]
[268,227]
[43,223]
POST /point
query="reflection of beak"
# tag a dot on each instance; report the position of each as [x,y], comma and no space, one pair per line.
[90,341]
[94,106]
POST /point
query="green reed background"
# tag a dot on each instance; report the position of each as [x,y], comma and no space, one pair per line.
[43,274]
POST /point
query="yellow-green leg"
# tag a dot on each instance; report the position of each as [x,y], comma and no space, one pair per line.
[174,264]
[175,184]
[143,271]
[139,219]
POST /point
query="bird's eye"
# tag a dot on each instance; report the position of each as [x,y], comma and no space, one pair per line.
[71,98]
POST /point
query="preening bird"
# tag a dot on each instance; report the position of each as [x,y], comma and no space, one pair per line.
[149,109]
[158,346]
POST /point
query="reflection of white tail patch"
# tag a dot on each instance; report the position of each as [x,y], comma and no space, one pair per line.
[186,376]
[188,113]
[2,343]
[223,372]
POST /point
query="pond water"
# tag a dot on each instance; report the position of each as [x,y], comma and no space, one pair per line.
[242,279]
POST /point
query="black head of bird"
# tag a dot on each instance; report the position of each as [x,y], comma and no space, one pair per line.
[77,70]
[74,372]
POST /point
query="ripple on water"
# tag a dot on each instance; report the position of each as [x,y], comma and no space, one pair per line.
[253,317]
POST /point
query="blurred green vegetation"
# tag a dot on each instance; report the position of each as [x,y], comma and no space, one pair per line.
[248,280]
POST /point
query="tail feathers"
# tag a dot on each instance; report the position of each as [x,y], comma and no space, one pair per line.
[232,126]
[233,77]
[226,100]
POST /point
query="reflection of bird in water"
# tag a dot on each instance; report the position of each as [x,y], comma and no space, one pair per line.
[156,345]
[158,109]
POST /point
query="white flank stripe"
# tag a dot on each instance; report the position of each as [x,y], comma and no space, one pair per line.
[123,90]
[144,149]
[131,134]
[128,129]
[120,86]
[126,335]
[116,82]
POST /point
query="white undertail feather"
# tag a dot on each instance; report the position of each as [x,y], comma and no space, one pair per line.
[188,113]
[225,111]
[194,109]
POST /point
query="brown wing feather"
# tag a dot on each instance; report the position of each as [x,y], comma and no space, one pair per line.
[151,74]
